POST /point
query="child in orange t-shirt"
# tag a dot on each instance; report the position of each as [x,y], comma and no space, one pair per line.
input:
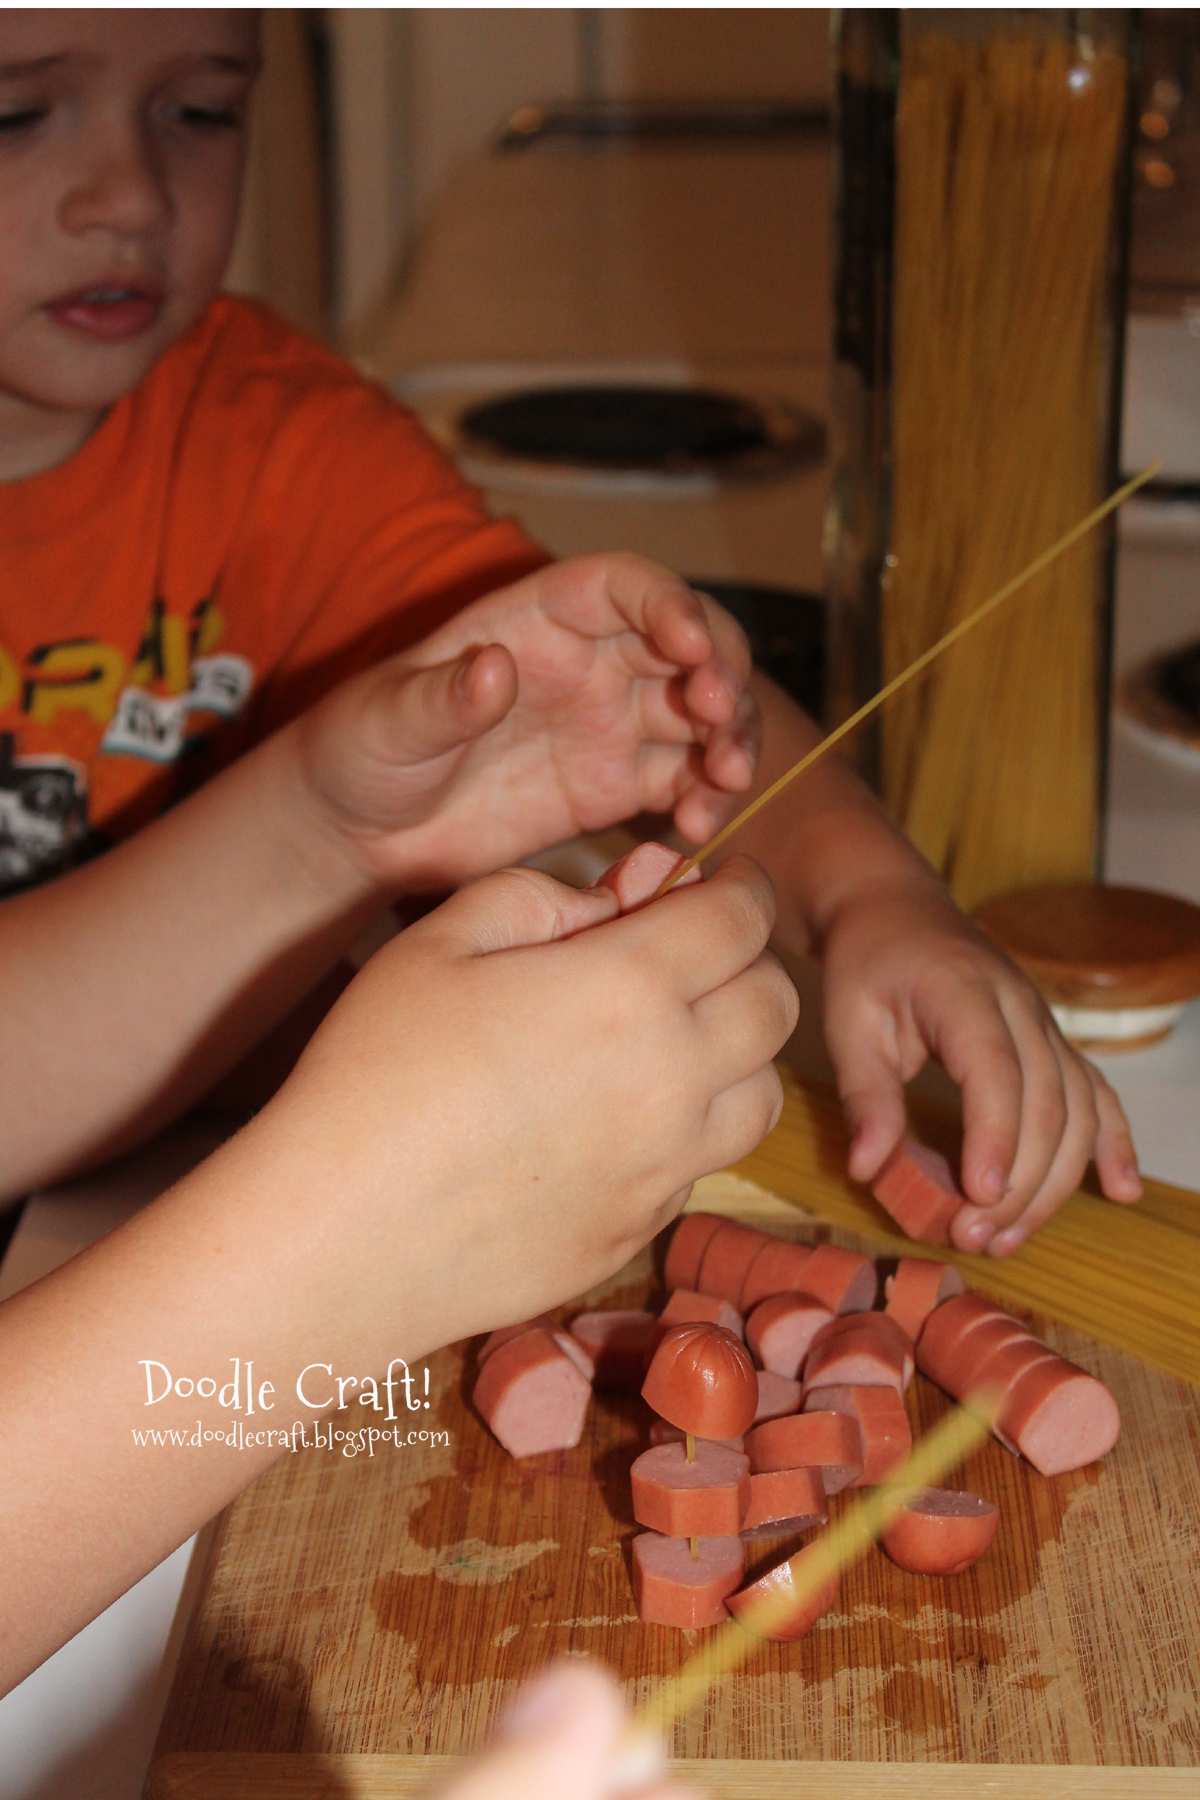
[206,522]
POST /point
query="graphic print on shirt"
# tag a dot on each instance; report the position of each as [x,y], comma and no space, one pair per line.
[99,702]
[43,814]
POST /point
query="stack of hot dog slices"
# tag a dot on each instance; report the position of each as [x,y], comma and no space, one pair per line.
[751,1437]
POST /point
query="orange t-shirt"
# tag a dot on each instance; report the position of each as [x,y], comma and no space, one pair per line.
[249,526]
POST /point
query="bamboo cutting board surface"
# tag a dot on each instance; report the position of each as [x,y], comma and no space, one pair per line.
[363,1620]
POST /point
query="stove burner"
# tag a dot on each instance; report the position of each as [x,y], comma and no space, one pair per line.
[1177,678]
[667,429]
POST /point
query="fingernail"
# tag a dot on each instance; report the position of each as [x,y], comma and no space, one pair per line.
[462,675]
[992,1182]
[1007,1240]
[730,681]
[979,1235]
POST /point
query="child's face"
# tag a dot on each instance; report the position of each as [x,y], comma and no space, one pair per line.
[122,136]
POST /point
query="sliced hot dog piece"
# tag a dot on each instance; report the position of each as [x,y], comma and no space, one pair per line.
[777,1269]
[532,1396]
[1059,1417]
[673,1587]
[840,1279]
[917,1187]
[945,1330]
[579,1353]
[777,1396]
[829,1441]
[941,1532]
[618,1343]
[784,1604]
[882,1421]
[784,1502]
[704,1498]
[916,1289]
[685,1307]
[663,1432]
[861,1357]
[727,1256]
[637,877]
[687,1246]
[782,1327]
[701,1378]
[880,1327]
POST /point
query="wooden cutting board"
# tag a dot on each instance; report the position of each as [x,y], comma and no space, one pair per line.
[363,1620]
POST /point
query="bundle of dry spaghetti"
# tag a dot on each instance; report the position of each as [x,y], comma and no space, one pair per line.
[1006,150]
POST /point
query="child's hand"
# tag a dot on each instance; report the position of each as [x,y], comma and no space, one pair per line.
[514,1102]
[591,691]
[906,976]
[565,1737]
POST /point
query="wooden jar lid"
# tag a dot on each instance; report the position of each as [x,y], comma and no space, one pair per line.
[1084,944]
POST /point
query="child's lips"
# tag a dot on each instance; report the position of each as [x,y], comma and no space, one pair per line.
[111,311]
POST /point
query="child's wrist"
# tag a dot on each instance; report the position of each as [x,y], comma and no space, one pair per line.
[318,850]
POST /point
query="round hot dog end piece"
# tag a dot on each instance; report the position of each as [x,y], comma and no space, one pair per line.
[701,1378]
[1059,1417]
[941,1532]
[532,1397]
[783,1604]
[687,1246]
[917,1188]
[673,1587]
[704,1498]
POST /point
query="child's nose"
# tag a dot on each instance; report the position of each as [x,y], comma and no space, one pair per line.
[119,187]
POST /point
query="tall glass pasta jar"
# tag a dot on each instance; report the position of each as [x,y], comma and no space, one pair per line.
[982,218]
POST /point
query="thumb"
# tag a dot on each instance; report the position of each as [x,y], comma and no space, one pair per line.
[414,715]
[516,908]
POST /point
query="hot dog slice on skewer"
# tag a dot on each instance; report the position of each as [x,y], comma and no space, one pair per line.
[704,1498]
[663,1432]
[701,1378]
[673,1587]
[531,1396]
[941,1532]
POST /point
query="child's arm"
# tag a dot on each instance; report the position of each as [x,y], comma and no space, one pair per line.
[495,1115]
[906,976]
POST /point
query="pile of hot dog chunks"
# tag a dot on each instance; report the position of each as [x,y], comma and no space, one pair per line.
[775,1382]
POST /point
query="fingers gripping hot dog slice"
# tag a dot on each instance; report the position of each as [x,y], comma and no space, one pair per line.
[917,1289]
[941,1532]
[917,1187]
[531,1396]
